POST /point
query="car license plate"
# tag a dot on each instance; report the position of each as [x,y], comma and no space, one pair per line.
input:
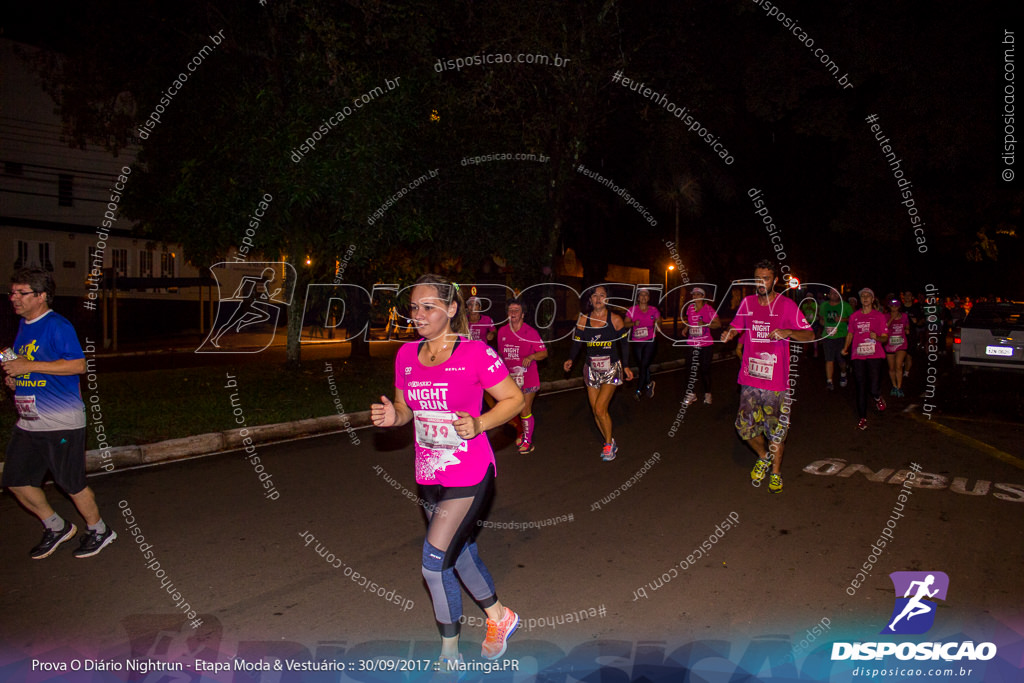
[998,350]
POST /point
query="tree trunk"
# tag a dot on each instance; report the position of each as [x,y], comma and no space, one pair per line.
[359,314]
[296,312]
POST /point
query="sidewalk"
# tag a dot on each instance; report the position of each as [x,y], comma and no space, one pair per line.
[231,440]
[188,343]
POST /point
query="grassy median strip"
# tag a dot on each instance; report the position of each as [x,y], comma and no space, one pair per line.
[144,407]
[150,406]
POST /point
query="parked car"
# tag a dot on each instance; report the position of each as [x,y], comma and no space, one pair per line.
[991,337]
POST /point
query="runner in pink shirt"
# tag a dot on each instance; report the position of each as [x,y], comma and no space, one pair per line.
[439,382]
[520,346]
[867,334]
[898,323]
[643,321]
[700,320]
[481,327]
[770,320]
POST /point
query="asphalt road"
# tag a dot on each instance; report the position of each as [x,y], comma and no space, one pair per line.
[607,541]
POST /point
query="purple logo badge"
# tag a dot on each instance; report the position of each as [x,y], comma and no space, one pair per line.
[914,611]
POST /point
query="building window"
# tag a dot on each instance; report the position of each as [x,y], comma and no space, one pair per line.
[33,254]
[167,264]
[65,190]
[145,263]
[119,259]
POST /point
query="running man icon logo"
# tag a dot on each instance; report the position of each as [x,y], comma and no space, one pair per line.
[247,321]
[914,612]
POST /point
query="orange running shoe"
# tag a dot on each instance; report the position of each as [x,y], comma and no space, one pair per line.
[498,634]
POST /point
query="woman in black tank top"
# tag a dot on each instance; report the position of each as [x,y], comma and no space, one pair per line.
[603,334]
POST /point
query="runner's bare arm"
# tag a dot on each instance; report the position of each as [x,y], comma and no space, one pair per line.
[391,414]
[510,403]
[800,335]
[534,357]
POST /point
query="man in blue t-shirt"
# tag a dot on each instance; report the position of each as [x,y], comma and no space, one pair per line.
[50,433]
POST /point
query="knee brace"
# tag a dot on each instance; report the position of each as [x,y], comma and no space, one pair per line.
[444,588]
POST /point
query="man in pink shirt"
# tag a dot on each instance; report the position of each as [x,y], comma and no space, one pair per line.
[770,321]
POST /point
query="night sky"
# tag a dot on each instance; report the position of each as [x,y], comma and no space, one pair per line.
[796,133]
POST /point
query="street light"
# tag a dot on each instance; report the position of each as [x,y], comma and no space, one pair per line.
[670,268]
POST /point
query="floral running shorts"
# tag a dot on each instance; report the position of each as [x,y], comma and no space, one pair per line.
[763,411]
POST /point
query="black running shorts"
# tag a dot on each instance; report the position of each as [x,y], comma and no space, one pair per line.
[30,455]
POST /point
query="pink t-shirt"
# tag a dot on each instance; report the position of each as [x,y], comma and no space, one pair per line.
[481,328]
[434,394]
[766,363]
[897,333]
[861,326]
[643,323]
[699,334]
[513,347]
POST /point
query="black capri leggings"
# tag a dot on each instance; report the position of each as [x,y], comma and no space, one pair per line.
[644,356]
[868,374]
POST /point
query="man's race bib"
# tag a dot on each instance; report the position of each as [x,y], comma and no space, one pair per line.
[895,340]
[762,367]
[866,348]
[519,375]
[601,363]
[830,331]
[26,406]
[435,431]
[640,332]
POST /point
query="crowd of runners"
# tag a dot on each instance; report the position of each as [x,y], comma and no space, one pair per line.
[466,376]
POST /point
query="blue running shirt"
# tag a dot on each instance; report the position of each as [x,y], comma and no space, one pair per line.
[48,403]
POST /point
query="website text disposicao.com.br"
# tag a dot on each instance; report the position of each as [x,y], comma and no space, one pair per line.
[458,63]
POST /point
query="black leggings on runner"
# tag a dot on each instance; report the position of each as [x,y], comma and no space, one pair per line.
[703,356]
[644,356]
[450,549]
[865,371]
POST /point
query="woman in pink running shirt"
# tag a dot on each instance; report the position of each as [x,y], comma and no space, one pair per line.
[439,382]
[643,321]
[867,333]
[481,327]
[896,348]
[520,347]
[700,320]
